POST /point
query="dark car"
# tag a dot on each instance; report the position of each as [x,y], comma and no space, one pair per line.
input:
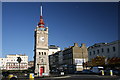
[87,71]
[115,72]
[5,74]
[78,72]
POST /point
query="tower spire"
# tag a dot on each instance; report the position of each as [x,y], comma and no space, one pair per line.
[41,22]
[41,10]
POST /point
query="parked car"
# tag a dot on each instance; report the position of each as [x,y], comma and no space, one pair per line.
[97,70]
[86,71]
[77,72]
[115,72]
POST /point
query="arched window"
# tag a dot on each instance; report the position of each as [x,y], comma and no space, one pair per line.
[113,49]
[44,53]
[108,50]
[39,53]
[98,51]
[102,50]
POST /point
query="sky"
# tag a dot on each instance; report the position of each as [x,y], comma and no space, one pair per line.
[68,23]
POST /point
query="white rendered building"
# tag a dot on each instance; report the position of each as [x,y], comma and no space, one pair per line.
[3,63]
[11,63]
[53,49]
[108,50]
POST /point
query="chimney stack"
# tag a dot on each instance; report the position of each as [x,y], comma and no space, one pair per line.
[76,44]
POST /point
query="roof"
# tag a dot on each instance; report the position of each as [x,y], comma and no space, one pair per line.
[53,47]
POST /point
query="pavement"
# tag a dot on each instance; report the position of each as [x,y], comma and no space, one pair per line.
[74,77]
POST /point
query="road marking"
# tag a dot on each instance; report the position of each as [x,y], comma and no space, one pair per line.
[62,77]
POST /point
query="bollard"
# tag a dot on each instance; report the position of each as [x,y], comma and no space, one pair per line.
[10,76]
[31,76]
[102,72]
[13,78]
[111,73]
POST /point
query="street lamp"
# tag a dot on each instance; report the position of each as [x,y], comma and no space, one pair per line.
[82,58]
[38,69]
[41,61]
[19,61]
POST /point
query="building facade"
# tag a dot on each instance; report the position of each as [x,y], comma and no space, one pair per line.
[30,64]
[11,63]
[3,62]
[54,62]
[108,50]
[70,59]
[41,63]
[74,57]
[53,49]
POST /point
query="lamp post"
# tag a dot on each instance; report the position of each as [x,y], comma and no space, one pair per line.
[82,58]
[38,64]
[19,61]
[42,61]
[38,69]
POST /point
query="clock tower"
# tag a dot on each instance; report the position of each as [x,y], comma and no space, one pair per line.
[41,62]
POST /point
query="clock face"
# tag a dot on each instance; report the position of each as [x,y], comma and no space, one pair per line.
[42,39]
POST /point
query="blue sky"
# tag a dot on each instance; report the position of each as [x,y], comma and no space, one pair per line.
[68,23]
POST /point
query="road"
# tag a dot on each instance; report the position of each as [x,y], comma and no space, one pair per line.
[76,77]
[82,77]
